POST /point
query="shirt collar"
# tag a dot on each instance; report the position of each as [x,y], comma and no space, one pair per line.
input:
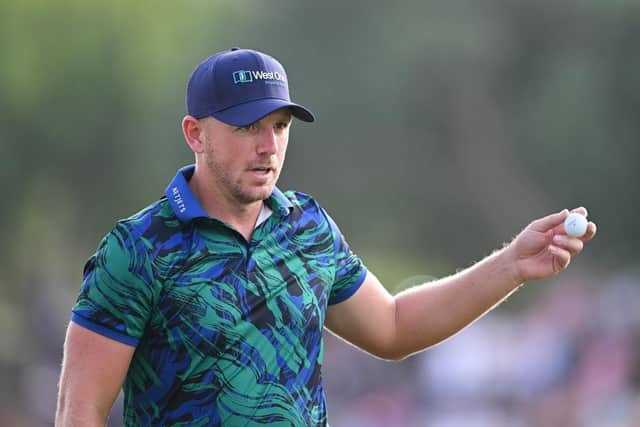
[187,207]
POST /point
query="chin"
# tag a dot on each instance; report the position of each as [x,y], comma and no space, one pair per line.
[256,194]
[263,195]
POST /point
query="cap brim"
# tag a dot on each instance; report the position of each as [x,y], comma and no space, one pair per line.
[251,112]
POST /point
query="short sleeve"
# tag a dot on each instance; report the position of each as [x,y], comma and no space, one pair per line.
[116,296]
[350,271]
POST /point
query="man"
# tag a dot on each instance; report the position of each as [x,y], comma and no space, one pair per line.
[208,306]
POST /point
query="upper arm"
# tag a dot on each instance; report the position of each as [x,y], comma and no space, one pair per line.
[109,318]
[360,311]
[366,319]
[93,370]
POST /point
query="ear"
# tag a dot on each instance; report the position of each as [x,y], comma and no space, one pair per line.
[193,133]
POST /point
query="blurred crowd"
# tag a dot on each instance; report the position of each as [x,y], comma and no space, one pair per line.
[570,358]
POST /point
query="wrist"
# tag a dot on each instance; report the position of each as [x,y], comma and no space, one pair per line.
[509,260]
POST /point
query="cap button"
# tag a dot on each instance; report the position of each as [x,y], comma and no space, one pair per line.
[235,48]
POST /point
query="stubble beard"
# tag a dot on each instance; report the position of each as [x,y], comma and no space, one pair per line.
[234,188]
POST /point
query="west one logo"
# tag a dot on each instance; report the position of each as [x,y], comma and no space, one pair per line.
[244,76]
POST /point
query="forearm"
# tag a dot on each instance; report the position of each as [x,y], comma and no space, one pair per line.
[430,313]
[79,414]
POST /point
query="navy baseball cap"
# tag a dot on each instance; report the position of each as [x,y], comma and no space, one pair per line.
[239,87]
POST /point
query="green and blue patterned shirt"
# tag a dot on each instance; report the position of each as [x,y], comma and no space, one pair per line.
[227,332]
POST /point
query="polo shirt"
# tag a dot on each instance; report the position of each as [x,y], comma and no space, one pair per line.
[227,332]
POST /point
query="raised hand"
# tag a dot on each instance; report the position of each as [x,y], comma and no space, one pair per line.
[544,249]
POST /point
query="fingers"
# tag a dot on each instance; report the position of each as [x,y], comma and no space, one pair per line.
[591,232]
[550,221]
[562,258]
[564,247]
[581,210]
[544,248]
[591,227]
[572,245]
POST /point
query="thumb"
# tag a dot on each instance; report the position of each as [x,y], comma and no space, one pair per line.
[548,222]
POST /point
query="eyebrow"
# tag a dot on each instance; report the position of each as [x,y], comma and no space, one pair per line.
[285,116]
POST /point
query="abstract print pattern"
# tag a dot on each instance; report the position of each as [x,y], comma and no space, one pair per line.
[227,332]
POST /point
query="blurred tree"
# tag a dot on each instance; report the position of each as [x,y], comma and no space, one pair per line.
[433,118]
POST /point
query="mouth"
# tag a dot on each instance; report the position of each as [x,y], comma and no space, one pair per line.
[261,172]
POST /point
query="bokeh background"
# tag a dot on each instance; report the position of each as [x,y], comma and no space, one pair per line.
[443,128]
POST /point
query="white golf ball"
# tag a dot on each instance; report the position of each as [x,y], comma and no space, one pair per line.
[575,225]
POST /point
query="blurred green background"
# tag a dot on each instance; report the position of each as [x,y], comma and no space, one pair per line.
[442,129]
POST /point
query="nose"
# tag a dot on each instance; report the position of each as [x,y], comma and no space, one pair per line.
[268,142]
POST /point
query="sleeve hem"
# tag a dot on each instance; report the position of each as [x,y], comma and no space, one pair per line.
[351,290]
[104,331]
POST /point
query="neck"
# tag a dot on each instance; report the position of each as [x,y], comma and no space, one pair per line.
[242,217]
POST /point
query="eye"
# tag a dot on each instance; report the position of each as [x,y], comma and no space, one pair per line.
[251,128]
[282,125]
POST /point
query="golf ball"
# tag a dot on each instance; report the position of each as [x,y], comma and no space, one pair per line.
[575,225]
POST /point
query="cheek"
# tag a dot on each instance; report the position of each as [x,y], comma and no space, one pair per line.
[222,162]
[226,154]
[282,150]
